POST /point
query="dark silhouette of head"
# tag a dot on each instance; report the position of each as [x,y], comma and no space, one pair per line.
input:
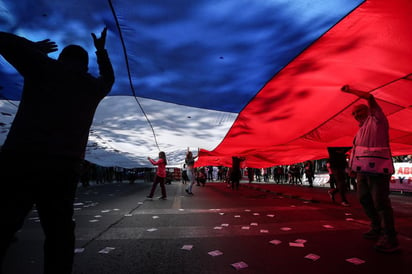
[75,57]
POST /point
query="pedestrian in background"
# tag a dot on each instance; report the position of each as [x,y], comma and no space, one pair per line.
[160,177]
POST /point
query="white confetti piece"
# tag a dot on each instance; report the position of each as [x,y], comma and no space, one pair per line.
[328,226]
[93,221]
[128,215]
[285,228]
[107,250]
[98,216]
[239,265]
[271,215]
[151,229]
[224,225]
[116,209]
[218,227]
[155,217]
[312,257]
[181,209]
[254,224]
[296,244]
[78,204]
[187,247]
[105,211]
[275,242]
[355,261]
[140,203]
[302,241]
[245,227]
[215,253]
[237,216]
[256,214]
[264,231]
[348,214]
[349,219]
[221,213]
[247,210]
[78,250]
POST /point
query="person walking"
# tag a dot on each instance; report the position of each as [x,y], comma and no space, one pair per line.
[190,169]
[338,164]
[50,129]
[160,177]
[371,160]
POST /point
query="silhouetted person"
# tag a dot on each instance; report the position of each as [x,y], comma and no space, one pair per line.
[236,172]
[338,165]
[371,160]
[51,129]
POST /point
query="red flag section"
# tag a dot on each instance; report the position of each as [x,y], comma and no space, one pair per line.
[301,110]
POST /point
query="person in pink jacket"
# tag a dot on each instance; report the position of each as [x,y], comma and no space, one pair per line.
[160,175]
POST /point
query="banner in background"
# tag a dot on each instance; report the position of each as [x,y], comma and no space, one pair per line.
[402,178]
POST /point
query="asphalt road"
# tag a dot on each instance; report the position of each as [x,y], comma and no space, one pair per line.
[261,228]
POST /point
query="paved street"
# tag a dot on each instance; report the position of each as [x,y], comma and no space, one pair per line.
[265,228]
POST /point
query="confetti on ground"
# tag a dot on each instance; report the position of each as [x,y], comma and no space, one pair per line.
[256,214]
[93,221]
[155,217]
[271,215]
[187,247]
[105,211]
[349,219]
[224,225]
[116,209]
[217,227]
[285,228]
[275,242]
[215,253]
[151,229]
[245,227]
[78,204]
[221,213]
[328,226]
[98,216]
[264,231]
[237,216]
[107,250]
[355,261]
[254,224]
[181,209]
[312,257]
[239,265]
[247,210]
[140,203]
[302,241]
[78,250]
[293,244]
[348,214]
[128,215]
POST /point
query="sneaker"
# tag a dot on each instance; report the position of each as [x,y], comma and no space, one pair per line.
[331,195]
[387,244]
[372,234]
[163,198]
[345,204]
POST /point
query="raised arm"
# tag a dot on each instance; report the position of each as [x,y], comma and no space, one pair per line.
[362,94]
[105,66]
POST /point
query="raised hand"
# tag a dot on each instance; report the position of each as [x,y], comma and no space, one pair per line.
[46,46]
[99,43]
